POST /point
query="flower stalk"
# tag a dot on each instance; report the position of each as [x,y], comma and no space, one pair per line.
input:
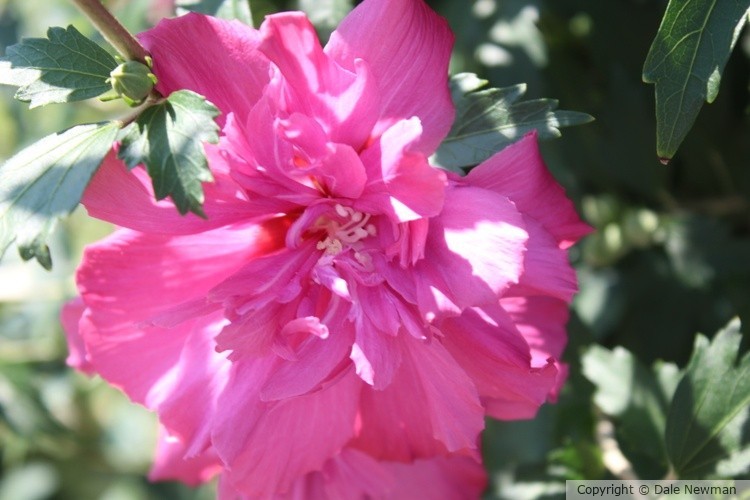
[112,31]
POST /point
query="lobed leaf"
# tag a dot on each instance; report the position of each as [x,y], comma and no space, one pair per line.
[45,182]
[708,426]
[638,398]
[686,61]
[487,120]
[225,9]
[66,66]
[168,138]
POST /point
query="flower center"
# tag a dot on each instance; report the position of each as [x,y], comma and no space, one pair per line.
[354,226]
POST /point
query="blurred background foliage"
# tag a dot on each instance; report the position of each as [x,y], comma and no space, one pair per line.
[670,256]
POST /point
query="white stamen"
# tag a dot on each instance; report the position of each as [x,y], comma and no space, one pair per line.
[355,228]
[341,210]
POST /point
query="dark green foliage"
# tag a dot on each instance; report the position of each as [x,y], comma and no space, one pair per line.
[708,428]
[487,120]
[686,62]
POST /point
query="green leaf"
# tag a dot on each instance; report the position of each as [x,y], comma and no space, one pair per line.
[708,427]
[168,138]
[612,372]
[45,182]
[66,66]
[686,60]
[638,398]
[487,120]
[226,9]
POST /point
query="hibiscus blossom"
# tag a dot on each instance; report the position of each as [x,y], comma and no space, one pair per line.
[346,310]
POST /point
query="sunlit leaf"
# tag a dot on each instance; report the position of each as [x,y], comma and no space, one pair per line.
[638,398]
[66,66]
[168,138]
[487,120]
[686,61]
[226,9]
[45,182]
[709,419]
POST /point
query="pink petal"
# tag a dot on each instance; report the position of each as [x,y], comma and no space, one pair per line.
[262,162]
[126,198]
[519,172]
[475,250]
[407,47]
[252,334]
[541,320]
[278,276]
[546,269]
[348,475]
[228,69]
[316,361]
[171,270]
[343,100]
[401,182]
[439,478]
[194,382]
[497,358]
[430,407]
[71,315]
[376,357]
[355,475]
[121,303]
[376,353]
[336,167]
[341,172]
[134,360]
[260,460]
[170,463]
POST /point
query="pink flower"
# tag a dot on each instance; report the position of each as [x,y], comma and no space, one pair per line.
[347,310]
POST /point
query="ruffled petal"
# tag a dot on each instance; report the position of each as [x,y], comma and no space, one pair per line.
[317,359]
[407,47]
[519,172]
[278,276]
[497,358]
[439,478]
[401,183]
[475,250]
[546,269]
[71,316]
[376,353]
[542,322]
[170,462]
[228,69]
[344,100]
[431,407]
[195,382]
[354,475]
[260,460]
[171,271]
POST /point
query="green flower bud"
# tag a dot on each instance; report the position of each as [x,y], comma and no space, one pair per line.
[133,81]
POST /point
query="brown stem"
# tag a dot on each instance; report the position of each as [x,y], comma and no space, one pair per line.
[114,32]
